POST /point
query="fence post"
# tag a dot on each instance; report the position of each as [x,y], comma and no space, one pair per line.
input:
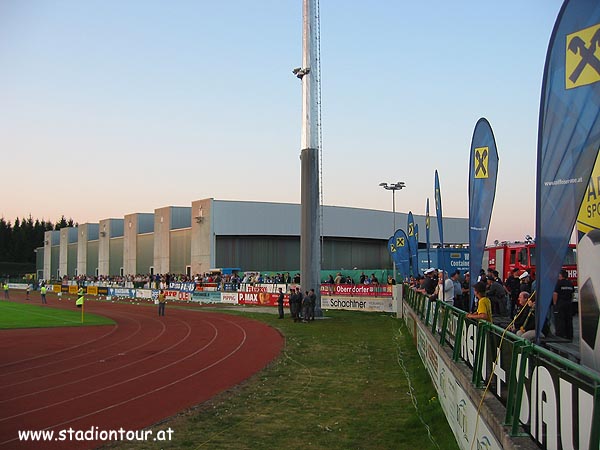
[435,316]
[516,386]
[444,323]
[482,331]
[460,321]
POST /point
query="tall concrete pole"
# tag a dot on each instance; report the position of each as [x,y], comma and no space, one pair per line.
[310,232]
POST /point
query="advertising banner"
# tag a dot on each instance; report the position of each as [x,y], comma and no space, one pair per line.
[263,287]
[588,262]
[92,290]
[144,293]
[178,295]
[261,298]
[400,251]
[568,137]
[557,408]
[121,292]
[182,286]
[438,211]
[356,290]
[206,297]
[416,268]
[412,243]
[483,173]
[355,304]
[427,226]
[229,297]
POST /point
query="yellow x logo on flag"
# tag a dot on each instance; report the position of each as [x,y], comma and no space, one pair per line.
[481,162]
[400,242]
[582,61]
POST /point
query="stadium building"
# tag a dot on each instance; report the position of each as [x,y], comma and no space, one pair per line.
[220,233]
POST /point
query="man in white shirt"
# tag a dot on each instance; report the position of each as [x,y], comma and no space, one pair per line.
[445,285]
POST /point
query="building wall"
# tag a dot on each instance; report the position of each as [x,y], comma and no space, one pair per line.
[55,258]
[104,248]
[203,242]
[116,255]
[283,253]
[162,249]
[92,258]
[145,253]
[180,250]
[63,253]
[51,239]
[110,229]
[86,233]
[130,236]
[72,259]
[216,233]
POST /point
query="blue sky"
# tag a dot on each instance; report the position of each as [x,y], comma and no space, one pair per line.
[109,108]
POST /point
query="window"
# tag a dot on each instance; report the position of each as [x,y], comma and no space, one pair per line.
[570,257]
[523,257]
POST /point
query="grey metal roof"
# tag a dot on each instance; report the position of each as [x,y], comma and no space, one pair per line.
[238,218]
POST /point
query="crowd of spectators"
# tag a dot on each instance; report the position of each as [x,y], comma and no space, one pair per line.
[162,281]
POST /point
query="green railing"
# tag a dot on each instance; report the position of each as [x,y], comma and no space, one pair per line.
[550,398]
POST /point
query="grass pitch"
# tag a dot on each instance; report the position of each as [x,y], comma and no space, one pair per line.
[22,315]
[344,382]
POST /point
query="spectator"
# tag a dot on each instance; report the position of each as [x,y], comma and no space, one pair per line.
[484,306]
[513,284]
[466,292]
[525,281]
[457,290]
[497,295]
[562,299]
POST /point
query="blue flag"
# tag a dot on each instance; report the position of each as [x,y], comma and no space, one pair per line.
[398,248]
[427,225]
[483,172]
[568,138]
[416,249]
[412,243]
[438,212]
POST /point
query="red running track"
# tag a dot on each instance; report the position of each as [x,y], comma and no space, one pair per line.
[127,376]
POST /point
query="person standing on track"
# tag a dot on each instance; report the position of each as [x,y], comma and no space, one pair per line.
[5,290]
[43,294]
[162,301]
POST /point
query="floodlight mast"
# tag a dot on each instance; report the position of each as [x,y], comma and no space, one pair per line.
[310,230]
[393,187]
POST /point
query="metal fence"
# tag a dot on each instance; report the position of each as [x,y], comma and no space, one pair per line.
[550,398]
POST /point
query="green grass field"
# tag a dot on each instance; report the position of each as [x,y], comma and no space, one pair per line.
[340,383]
[22,315]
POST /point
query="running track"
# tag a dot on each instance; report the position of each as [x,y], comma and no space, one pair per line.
[130,375]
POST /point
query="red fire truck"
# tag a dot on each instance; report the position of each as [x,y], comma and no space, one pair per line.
[505,256]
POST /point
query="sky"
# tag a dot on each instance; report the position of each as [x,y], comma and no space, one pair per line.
[115,107]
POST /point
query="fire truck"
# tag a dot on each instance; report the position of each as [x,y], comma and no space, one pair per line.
[505,256]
